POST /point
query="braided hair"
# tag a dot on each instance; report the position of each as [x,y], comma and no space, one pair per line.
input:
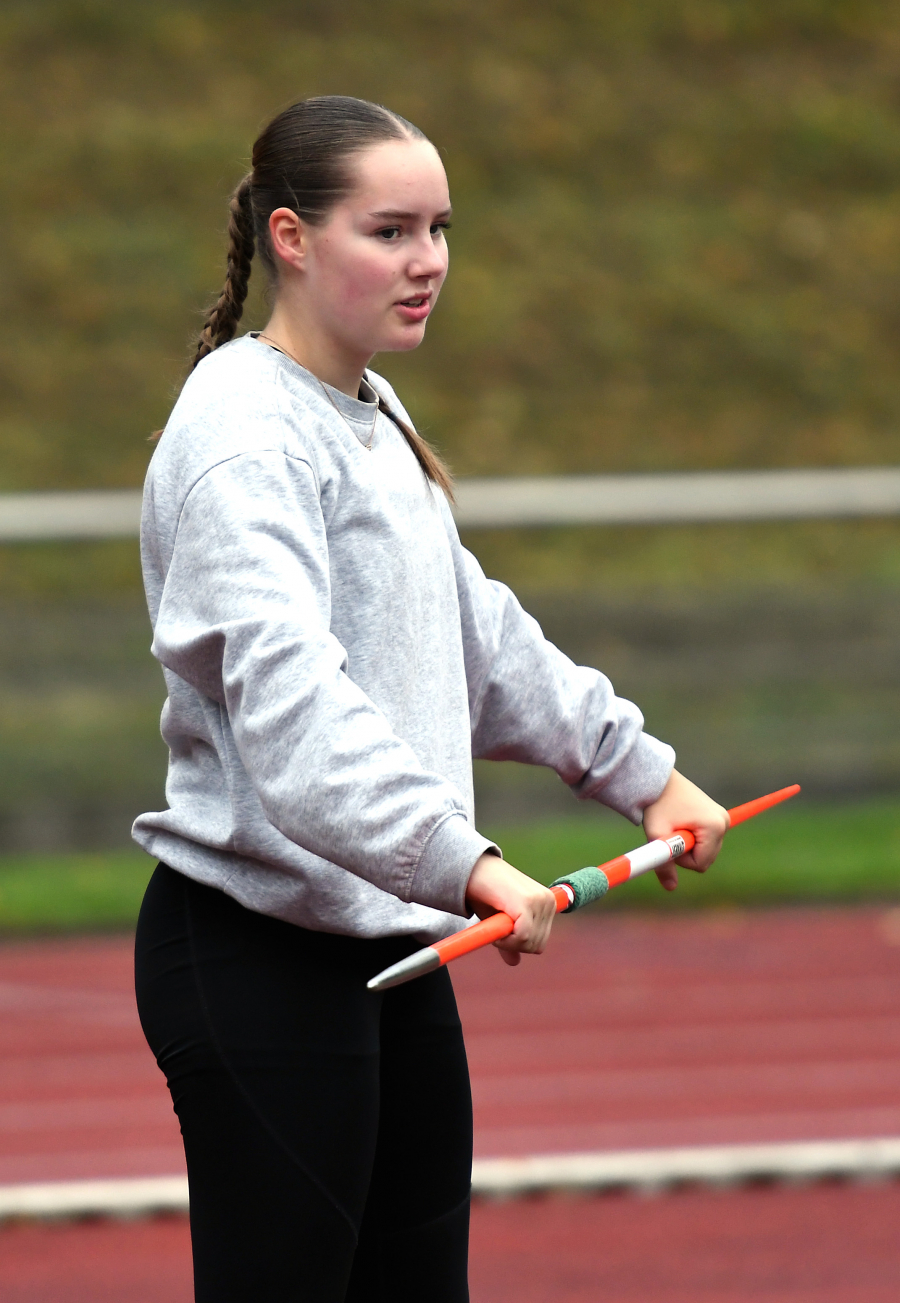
[300,161]
[223,317]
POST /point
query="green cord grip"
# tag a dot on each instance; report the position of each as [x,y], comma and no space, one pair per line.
[587,884]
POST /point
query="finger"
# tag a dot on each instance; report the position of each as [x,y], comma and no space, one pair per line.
[704,853]
[668,877]
[543,927]
[511,957]
[513,944]
[537,942]
[529,937]
[690,861]
[529,944]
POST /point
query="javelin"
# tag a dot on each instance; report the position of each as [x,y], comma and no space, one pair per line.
[571,892]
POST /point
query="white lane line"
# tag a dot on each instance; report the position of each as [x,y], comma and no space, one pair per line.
[646,1170]
[113,1198]
[657,1169]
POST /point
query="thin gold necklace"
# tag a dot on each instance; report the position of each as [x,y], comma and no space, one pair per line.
[281,349]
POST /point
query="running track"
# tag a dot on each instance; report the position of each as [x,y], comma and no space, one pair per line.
[632,1032]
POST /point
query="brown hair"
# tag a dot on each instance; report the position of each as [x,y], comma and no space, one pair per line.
[300,162]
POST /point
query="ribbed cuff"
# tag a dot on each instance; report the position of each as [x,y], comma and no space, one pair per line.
[446,864]
[639,780]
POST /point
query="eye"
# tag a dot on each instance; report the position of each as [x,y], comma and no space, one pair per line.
[388,232]
[440,226]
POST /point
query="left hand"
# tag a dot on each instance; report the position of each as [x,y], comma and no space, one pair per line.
[682,805]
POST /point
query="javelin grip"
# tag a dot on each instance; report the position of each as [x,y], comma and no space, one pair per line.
[586,884]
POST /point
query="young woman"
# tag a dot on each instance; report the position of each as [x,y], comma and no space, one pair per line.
[333,659]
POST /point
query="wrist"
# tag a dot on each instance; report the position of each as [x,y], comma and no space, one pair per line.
[481,887]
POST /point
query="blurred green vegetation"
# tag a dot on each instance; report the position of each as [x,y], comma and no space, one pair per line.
[80,697]
[753,690]
[72,893]
[763,559]
[676,244]
[676,237]
[802,855]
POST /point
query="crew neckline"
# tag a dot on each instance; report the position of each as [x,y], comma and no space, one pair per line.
[358,410]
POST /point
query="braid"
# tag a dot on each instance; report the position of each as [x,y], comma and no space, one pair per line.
[432,463]
[223,317]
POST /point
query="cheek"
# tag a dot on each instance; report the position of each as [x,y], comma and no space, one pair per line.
[364,279]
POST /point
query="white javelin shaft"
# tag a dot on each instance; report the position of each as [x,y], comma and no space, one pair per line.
[653,855]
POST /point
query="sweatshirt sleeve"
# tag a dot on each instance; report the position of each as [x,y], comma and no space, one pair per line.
[244,618]
[530,703]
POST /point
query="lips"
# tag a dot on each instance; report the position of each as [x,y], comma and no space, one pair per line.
[415,308]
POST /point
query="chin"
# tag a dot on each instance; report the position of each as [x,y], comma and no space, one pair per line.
[403,341]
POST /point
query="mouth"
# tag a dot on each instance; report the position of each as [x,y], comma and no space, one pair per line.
[416,307]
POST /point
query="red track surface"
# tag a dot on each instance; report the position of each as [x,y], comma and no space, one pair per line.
[631,1032]
[818,1245]
[80,1094]
[713,1028]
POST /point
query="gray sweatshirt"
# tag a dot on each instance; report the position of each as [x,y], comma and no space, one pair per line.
[334,658]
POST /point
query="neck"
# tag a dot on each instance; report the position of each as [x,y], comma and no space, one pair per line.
[309,345]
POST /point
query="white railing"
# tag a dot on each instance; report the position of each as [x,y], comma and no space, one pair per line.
[677,497]
[97,513]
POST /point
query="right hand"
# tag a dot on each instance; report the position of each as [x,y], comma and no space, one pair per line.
[495,885]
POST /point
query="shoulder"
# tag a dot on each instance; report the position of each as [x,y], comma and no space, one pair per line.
[234,400]
[242,400]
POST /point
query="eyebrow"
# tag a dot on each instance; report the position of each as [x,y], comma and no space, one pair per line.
[396,215]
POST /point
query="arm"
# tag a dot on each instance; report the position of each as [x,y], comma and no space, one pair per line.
[529,702]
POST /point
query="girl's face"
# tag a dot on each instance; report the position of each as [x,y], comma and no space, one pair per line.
[369,276]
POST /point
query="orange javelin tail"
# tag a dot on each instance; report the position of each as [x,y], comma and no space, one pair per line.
[747,811]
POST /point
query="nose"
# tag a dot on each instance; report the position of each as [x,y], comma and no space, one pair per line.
[428,259]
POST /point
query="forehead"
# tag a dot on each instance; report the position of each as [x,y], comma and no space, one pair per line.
[399,175]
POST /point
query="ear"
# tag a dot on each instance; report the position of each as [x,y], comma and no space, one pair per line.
[289,237]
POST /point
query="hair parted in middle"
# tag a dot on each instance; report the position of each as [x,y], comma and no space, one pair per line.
[300,161]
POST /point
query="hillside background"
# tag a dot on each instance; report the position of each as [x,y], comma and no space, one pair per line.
[676,244]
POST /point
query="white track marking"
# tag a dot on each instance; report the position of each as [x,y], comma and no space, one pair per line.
[647,1170]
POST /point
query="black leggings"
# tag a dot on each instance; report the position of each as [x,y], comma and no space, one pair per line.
[327,1129]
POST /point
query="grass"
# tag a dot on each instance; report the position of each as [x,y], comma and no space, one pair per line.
[805,854]
[72,893]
